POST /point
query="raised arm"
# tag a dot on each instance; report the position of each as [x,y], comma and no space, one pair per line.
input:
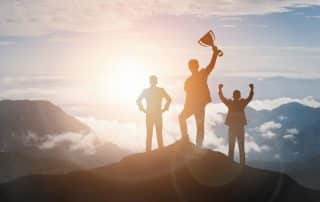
[222,98]
[139,101]
[168,101]
[213,60]
[249,98]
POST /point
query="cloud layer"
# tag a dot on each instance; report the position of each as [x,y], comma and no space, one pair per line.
[129,133]
[31,17]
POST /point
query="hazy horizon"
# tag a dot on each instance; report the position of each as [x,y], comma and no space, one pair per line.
[93,59]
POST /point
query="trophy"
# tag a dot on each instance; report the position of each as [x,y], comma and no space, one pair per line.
[208,40]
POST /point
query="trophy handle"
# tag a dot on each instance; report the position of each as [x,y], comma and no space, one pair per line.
[220,54]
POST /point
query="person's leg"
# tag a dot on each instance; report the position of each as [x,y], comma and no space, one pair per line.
[184,115]
[241,136]
[200,115]
[232,139]
[149,124]
[158,123]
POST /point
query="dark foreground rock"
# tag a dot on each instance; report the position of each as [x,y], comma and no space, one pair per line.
[178,172]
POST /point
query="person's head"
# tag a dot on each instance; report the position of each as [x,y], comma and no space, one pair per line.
[236,94]
[153,80]
[193,65]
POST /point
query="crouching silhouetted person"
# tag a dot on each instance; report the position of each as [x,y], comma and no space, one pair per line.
[154,110]
[236,120]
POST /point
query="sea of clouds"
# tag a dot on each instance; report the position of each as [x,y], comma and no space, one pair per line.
[110,126]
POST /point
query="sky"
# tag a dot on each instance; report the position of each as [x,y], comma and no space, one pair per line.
[50,37]
[94,57]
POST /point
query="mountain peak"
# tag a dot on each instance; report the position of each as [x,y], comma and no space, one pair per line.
[39,116]
[208,167]
[19,118]
[178,172]
[296,107]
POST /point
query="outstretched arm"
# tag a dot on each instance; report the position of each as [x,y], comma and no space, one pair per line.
[222,98]
[213,60]
[249,98]
[139,102]
[168,101]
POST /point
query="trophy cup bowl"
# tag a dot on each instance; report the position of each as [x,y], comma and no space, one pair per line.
[208,40]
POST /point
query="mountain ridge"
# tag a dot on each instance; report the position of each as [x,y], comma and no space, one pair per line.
[178,172]
[25,125]
[44,118]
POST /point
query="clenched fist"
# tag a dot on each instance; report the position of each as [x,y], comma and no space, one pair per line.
[251,86]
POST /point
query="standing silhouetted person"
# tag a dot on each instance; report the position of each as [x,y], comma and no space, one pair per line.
[236,120]
[197,97]
[154,110]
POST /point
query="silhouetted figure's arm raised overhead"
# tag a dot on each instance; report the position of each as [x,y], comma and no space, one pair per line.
[249,98]
[168,101]
[139,101]
[222,98]
[213,60]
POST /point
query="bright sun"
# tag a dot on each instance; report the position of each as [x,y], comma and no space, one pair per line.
[125,80]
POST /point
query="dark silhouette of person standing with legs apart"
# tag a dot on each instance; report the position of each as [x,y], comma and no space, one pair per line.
[197,97]
[236,120]
[154,110]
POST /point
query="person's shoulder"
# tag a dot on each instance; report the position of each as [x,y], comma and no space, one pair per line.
[161,89]
[204,72]
[146,90]
[243,101]
[228,103]
[154,89]
[189,77]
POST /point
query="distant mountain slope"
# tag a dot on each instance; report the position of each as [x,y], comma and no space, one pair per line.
[26,124]
[178,172]
[290,135]
[290,132]
[40,117]
[293,115]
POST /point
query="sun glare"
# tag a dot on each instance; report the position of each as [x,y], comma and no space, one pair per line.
[125,80]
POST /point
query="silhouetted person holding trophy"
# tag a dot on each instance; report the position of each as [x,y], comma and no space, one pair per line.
[236,120]
[197,91]
[153,97]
